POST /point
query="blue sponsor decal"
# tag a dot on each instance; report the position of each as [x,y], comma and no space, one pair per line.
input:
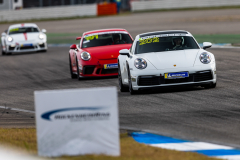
[27,45]
[109,66]
[176,75]
[47,115]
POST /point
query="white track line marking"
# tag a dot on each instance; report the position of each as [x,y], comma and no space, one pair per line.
[17,109]
[190,146]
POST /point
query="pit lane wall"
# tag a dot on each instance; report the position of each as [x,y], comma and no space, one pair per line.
[49,12]
[178,4]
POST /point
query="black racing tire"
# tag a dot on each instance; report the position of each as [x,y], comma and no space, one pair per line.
[131,91]
[122,88]
[78,77]
[212,85]
[3,53]
[73,76]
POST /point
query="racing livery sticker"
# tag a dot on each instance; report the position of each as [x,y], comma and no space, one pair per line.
[176,75]
[110,66]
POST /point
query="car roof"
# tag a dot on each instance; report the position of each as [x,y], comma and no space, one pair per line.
[164,32]
[104,30]
[23,25]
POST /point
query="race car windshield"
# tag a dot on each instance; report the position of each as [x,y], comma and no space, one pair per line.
[106,39]
[163,44]
[23,30]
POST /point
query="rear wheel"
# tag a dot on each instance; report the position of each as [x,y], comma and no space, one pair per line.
[131,91]
[122,88]
[73,76]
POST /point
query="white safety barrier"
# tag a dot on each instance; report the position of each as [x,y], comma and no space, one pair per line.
[174,4]
[49,12]
[77,122]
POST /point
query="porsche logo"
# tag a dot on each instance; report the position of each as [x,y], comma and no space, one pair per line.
[111,55]
[174,65]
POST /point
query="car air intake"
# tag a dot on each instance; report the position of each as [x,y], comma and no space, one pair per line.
[88,69]
[203,76]
[148,80]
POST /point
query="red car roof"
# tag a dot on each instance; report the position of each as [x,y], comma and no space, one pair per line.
[103,30]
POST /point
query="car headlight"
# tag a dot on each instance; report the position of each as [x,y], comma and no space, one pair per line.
[85,56]
[10,39]
[41,36]
[140,63]
[205,58]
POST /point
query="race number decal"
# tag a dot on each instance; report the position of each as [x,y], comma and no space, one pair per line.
[14,30]
[156,39]
[148,40]
[89,38]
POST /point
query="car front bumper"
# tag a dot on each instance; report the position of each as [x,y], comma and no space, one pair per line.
[155,78]
[20,48]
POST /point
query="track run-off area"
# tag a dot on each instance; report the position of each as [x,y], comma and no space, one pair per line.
[195,113]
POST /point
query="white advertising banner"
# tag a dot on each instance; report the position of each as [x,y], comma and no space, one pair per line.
[77,122]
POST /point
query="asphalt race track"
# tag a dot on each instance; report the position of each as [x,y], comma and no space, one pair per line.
[195,113]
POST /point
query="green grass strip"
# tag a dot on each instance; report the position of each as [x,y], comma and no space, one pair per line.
[69,38]
[25,140]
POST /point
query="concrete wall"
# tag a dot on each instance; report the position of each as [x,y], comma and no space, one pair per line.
[49,12]
[173,4]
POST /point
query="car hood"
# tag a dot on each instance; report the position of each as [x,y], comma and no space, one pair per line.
[24,37]
[172,59]
[107,52]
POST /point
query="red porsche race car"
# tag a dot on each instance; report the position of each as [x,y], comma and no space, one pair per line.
[97,53]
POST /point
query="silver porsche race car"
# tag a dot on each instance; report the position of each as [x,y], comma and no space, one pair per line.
[23,38]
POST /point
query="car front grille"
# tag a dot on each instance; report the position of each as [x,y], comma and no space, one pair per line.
[109,71]
[157,80]
[26,47]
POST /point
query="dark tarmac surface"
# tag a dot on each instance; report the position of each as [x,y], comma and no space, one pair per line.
[211,115]
[194,113]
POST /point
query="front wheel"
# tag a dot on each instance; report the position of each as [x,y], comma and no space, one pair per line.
[3,53]
[78,77]
[213,85]
[131,91]
[73,76]
[122,88]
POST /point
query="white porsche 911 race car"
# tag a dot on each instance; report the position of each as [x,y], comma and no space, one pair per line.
[166,58]
[23,38]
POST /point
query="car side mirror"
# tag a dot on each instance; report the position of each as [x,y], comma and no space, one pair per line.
[4,34]
[78,38]
[124,52]
[207,45]
[44,30]
[74,46]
